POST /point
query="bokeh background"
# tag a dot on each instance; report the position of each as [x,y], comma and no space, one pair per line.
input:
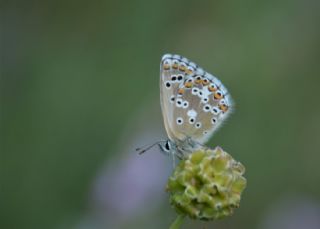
[80,91]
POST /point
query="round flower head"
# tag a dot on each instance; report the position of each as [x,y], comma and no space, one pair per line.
[207,184]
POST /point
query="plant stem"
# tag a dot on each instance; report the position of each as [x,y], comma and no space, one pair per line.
[177,223]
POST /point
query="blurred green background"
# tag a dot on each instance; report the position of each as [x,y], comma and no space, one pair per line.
[80,90]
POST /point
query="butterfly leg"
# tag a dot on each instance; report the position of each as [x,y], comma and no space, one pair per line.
[173,157]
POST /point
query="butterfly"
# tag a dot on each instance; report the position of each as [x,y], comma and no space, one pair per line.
[194,104]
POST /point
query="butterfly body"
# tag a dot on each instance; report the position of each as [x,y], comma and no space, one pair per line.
[194,104]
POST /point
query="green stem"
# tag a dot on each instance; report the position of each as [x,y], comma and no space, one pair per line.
[177,223]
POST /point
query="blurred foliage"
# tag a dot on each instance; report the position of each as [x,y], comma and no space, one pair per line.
[73,73]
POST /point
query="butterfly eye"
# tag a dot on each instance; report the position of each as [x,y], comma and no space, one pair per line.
[167,146]
[218,95]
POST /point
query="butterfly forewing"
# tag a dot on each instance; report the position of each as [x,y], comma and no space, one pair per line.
[194,103]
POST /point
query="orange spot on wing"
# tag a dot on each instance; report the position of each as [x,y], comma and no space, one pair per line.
[211,88]
[223,107]
[189,71]
[182,68]
[217,95]
[166,66]
[205,82]
[198,80]
[175,65]
[180,91]
[188,84]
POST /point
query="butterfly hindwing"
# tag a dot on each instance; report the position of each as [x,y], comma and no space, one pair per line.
[194,103]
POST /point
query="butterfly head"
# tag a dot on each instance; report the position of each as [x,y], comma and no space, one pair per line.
[168,146]
[178,148]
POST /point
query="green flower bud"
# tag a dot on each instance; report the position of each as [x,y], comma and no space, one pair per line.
[207,184]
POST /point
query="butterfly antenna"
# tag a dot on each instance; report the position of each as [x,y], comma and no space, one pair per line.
[145,148]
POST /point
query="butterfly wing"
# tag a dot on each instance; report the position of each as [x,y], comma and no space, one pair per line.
[194,103]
